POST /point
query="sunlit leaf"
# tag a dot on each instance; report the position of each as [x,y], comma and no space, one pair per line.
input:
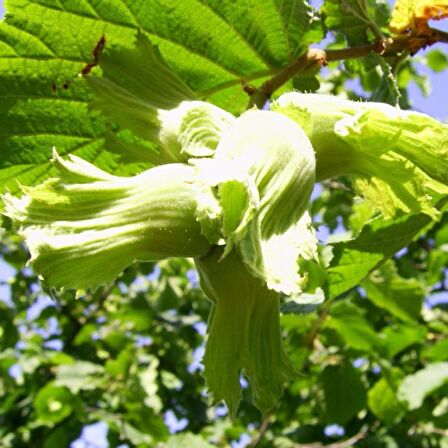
[379,240]
[382,399]
[53,403]
[414,15]
[416,387]
[401,297]
[45,45]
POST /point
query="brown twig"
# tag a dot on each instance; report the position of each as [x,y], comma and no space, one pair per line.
[317,325]
[261,430]
[314,59]
[342,444]
[441,432]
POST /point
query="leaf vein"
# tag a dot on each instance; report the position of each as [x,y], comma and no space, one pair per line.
[150,32]
[259,56]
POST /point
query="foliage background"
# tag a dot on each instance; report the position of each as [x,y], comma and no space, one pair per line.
[121,367]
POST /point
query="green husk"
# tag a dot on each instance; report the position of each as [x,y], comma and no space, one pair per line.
[239,208]
[139,92]
[85,226]
[397,159]
[244,334]
[264,172]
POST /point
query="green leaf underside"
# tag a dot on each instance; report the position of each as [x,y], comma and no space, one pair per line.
[349,18]
[53,403]
[344,392]
[44,45]
[401,297]
[416,387]
[399,337]
[344,17]
[354,328]
[382,399]
[354,260]
[244,334]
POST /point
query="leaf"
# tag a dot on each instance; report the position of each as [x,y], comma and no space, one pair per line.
[437,60]
[382,400]
[213,46]
[304,303]
[401,297]
[387,91]
[80,375]
[378,240]
[399,337]
[344,392]
[63,435]
[416,387]
[437,352]
[342,16]
[134,435]
[306,82]
[148,381]
[53,403]
[414,15]
[9,334]
[362,212]
[355,330]
[170,381]
[352,18]
[187,440]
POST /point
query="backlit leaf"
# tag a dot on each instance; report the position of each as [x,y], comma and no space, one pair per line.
[344,392]
[379,240]
[414,15]
[214,46]
[419,385]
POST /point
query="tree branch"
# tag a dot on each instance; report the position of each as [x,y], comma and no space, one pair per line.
[342,444]
[260,433]
[314,59]
[317,325]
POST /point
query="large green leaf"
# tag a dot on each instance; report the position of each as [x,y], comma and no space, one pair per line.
[416,387]
[399,337]
[354,260]
[438,351]
[214,46]
[353,327]
[402,297]
[344,392]
[354,18]
[382,400]
[53,403]
[80,375]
